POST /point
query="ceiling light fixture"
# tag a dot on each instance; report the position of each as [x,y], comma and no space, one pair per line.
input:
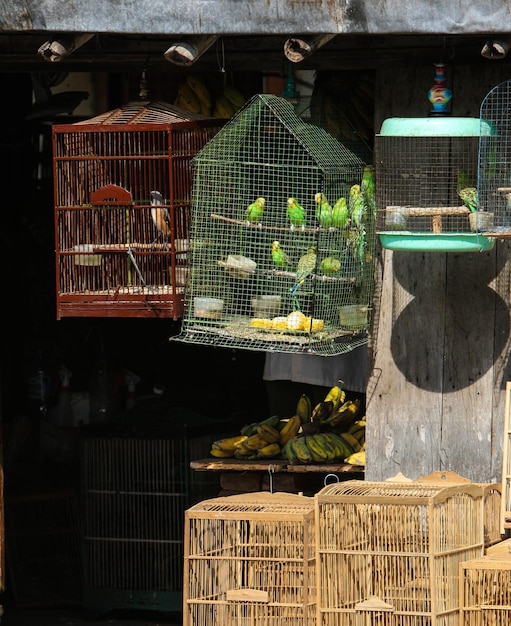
[495,49]
[297,49]
[187,52]
[61,45]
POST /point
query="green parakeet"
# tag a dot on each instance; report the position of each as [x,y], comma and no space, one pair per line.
[329,266]
[340,214]
[469,197]
[323,210]
[295,214]
[368,188]
[280,258]
[254,212]
[305,267]
[356,205]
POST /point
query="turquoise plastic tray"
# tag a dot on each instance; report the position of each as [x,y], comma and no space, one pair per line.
[435,127]
[431,242]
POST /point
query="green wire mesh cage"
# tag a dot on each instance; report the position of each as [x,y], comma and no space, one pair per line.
[281,237]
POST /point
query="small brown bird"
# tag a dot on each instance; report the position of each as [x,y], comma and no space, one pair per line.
[160,214]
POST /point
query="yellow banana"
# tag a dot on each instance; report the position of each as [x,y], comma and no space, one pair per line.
[268,433]
[336,395]
[243,454]
[304,409]
[234,95]
[269,452]
[352,441]
[221,454]
[254,442]
[188,98]
[229,444]
[345,414]
[322,411]
[200,90]
[290,430]
[223,107]
[357,458]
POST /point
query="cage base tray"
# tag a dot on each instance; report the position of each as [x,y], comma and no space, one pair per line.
[435,242]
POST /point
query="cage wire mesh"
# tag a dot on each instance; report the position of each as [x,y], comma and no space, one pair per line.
[494,171]
[427,174]
[135,490]
[116,254]
[270,277]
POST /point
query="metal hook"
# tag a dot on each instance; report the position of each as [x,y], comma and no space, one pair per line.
[325,483]
[271,471]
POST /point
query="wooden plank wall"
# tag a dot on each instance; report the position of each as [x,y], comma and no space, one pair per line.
[441,339]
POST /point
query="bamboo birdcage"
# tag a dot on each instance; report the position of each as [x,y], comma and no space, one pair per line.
[111,261]
[485,590]
[237,294]
[250,559]
[397,542]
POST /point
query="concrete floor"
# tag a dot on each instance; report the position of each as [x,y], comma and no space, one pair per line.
[13,616]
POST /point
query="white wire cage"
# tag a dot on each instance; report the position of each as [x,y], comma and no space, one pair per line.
[494,165]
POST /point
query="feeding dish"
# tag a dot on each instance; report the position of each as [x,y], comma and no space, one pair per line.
[433,242]
[435,127]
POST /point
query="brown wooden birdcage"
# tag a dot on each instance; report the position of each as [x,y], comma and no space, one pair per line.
[111,259]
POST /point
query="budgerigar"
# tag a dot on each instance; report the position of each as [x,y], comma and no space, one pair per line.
[254,212]
[323,210]
[296,214]
[340,214]
[469,197]
[305,267]
[329,266]
[356,205]
[280,258]
[368,188]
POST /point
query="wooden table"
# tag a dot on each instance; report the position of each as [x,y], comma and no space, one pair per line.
[240,476]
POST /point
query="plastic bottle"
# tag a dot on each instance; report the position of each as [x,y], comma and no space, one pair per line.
[101,393]
[63,413]
[39,389]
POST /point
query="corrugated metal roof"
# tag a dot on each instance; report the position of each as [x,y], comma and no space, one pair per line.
[264,17]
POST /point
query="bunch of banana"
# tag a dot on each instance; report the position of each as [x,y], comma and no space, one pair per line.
[344,416]
[225,448]
[186,99]
[228,102]
[256,440]
[202,93]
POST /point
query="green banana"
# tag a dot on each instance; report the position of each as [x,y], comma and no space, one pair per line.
[288,452]
[303,454]
[271,421]
[318,449]
[250,429]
